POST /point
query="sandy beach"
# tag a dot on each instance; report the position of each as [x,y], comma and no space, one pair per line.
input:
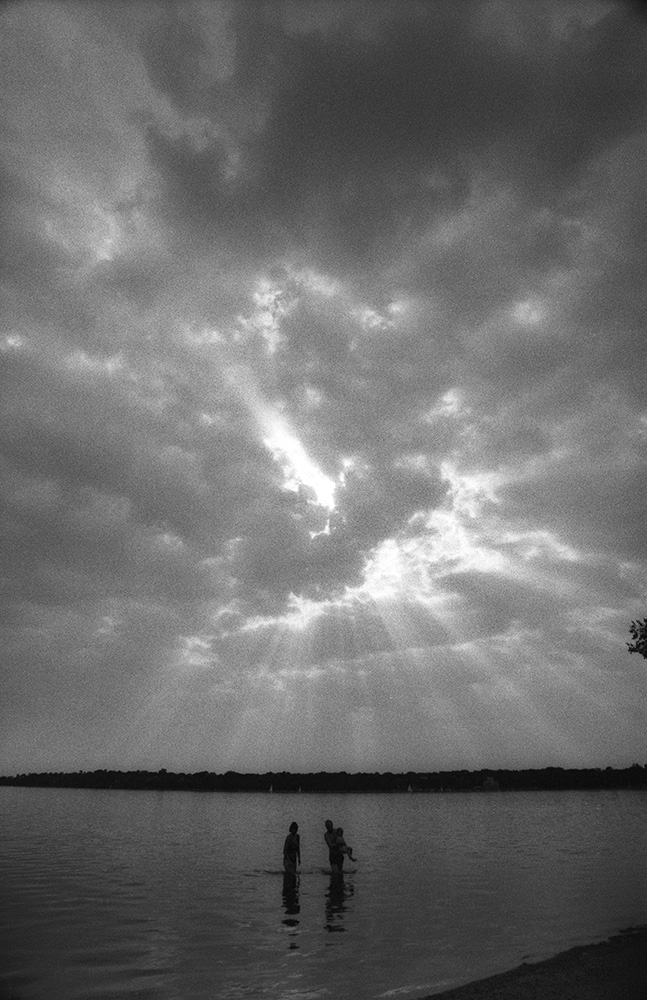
[611,970]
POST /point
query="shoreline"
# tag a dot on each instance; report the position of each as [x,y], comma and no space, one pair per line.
[615,969]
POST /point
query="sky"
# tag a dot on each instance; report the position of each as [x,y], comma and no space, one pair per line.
[323,417]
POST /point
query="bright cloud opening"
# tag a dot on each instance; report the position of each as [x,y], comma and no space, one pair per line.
[298,468]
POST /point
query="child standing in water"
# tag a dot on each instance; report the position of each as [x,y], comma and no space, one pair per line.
[341,844]
[292,850]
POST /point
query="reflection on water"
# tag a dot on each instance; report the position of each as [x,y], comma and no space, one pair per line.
[339,890]
[182,896]
[291,906]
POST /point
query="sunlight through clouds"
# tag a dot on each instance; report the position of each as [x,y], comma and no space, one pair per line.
[323,417]
[298,469]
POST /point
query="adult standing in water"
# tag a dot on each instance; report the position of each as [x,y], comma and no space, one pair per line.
[335,855]
[292,850]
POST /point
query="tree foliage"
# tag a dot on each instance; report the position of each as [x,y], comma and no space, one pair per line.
[639,635]
[538,779]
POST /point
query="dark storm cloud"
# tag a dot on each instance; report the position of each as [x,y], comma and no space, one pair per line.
[373,378]
[91,479]
[369,137]
[492,604]
[276,554]
[604,510]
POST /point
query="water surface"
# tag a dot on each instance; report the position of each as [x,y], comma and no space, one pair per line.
[181,895]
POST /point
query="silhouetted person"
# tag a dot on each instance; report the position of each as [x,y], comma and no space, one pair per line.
[292,850]
[341,844]
[335,855]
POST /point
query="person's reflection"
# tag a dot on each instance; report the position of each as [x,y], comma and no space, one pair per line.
[338,892]
[291,905]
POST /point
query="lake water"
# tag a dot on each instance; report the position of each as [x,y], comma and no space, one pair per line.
[181,895]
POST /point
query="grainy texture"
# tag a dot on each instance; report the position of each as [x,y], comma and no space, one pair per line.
[612,970]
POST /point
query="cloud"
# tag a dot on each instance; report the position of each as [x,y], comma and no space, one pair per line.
[322,357]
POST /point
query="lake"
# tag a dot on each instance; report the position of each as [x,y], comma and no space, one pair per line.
[181,895]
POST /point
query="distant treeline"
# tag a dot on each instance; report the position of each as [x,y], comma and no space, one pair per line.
[532,779]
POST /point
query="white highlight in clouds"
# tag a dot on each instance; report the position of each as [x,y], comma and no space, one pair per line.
[541,543]
[470,490]
[11,342]
[106,234]
[450,405]
[372,320]
[347,464]
[384,576]
[298,469]
[87,231]
[313,281]
[195,651]
[81,361]
[271,305]
[528,312]
[166,541]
